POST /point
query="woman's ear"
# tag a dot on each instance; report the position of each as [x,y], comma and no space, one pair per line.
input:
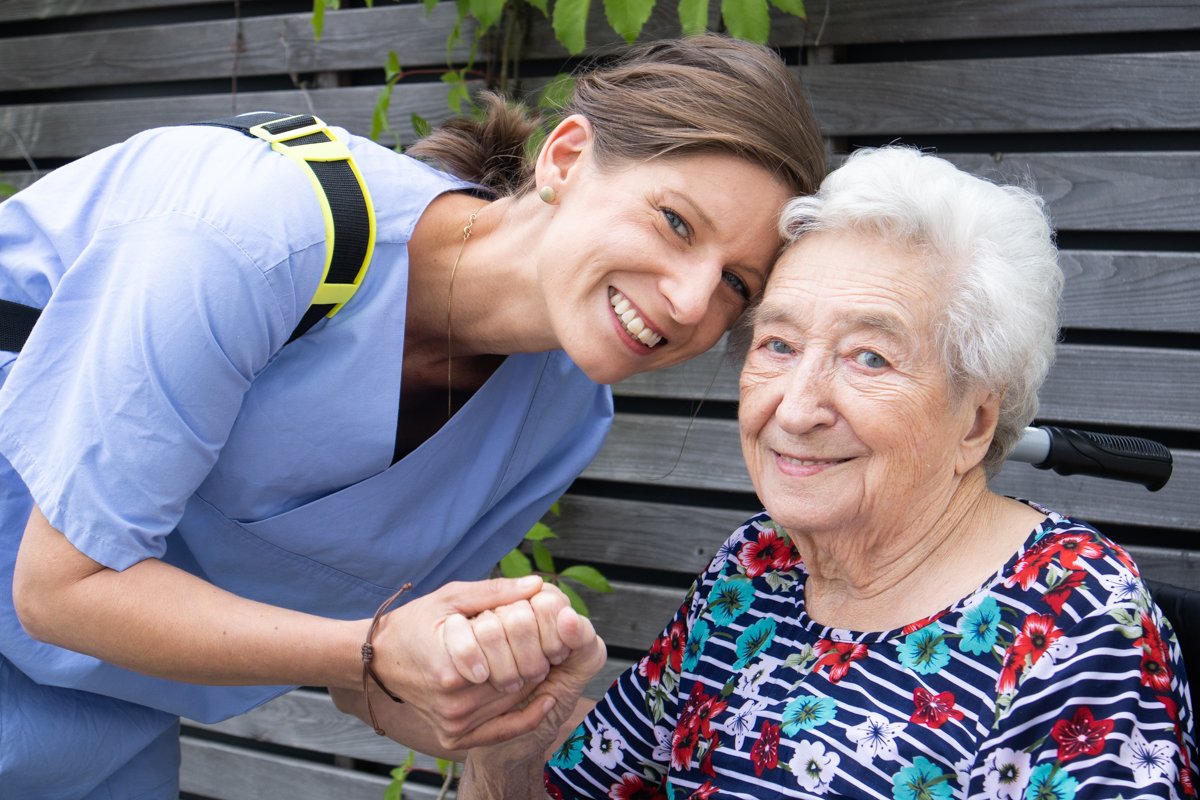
[984,410]
[566,147]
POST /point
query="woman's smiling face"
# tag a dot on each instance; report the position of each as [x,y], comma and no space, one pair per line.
[647,265]
[847,416]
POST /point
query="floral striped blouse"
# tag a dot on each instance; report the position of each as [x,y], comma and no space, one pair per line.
[1057,679]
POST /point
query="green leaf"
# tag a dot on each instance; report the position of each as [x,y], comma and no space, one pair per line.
[542,557]
[420,125]
[555,509]
[588,576]
[7,190]
[515,565]
[793,7]
[747,19]
[540,531]
[395,789]
[628,17]
[459,93]
[430,5]
[576,601]
[554,97]
[570,24]
[693,16]
[392,71]
[486,13]
[379,117]
[318,19]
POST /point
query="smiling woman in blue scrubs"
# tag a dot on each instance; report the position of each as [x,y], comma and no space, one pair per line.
[195,517]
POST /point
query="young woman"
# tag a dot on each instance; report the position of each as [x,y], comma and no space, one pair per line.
[190,510]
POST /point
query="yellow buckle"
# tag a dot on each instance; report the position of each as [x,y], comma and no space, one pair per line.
[286,136]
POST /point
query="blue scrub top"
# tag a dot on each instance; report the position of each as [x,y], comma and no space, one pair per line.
[155,412]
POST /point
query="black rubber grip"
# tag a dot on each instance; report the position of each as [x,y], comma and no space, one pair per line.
[1123,458]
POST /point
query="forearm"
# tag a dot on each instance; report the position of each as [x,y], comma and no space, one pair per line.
[482,780]
[158,620]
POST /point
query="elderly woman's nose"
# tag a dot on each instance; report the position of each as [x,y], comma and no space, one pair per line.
[806,399]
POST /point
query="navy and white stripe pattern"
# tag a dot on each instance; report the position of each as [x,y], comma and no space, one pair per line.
[1057,679]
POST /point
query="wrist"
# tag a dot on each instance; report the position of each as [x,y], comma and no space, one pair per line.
[486,778]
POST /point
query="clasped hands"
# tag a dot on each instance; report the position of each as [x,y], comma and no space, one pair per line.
[482,662]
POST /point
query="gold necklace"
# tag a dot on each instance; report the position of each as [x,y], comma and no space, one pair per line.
[449,305]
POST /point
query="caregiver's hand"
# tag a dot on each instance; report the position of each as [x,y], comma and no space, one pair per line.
[468,653]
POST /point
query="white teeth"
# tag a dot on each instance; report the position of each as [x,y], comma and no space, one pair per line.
[633,324]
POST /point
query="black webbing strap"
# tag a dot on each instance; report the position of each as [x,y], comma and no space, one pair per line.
[347,204]
[16,321]
[349,225]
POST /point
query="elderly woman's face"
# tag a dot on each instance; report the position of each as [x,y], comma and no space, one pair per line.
[847,417]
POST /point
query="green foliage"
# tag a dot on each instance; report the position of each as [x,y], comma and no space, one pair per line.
[395,789]
[517,564]
[628,17]
[747,19]
[7,190]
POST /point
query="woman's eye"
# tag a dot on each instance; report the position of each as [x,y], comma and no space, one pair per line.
[677,224]
[778,347]
[871,359]
[737,284]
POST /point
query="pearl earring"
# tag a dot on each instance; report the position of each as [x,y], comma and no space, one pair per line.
[547,194]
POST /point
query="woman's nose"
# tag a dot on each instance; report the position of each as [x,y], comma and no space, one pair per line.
[689,291]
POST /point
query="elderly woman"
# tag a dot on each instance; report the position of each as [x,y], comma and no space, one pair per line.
[890,627]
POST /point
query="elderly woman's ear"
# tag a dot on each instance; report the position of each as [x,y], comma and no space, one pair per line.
[981,414]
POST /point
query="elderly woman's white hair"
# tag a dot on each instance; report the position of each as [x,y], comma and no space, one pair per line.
[991,245]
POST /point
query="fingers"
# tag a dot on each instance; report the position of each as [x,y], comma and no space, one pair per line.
[473,598]
[458,637]
[547,604]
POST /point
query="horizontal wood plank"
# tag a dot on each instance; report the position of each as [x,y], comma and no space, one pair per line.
[270,45]
[1153,388]
[14,10]
[667,451]
[225,772]
[73,129]
[1009,95]
[1126,291]
[869,21]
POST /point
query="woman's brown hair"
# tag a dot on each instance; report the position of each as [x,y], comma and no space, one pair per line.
[673,97]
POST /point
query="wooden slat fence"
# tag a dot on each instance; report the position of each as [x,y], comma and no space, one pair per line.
[1092,102]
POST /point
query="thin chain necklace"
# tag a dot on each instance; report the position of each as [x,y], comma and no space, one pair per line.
[449,305]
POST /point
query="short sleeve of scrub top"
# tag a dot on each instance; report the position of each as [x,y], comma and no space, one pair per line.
[168,303]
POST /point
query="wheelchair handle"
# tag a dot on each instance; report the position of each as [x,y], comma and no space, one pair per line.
[1069,452]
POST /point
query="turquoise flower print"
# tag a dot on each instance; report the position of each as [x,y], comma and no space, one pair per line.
[754,640]
[729,598]
[1051,782]
[924,780]
[925,651]
[570,752]
[695,645]
[980,627]
[807,712]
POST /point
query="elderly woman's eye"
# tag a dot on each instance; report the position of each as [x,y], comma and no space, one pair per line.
[677,224]
[778,347]
[871,359]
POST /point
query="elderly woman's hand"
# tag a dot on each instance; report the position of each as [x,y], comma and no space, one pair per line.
[512,770]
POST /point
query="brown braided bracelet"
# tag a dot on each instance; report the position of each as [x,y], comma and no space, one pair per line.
[368,654]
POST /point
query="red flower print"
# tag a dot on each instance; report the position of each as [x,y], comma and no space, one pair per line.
[1156,669]
[675,641]
[1009,668]
[768,553]
[765,753]
[699,710]
[1185,774]
[652,664]
[552,791]
[1057,596]
[1071,546]
[635,787]
[1031,562]
[912,627]
[1124,558]
[706,767]
[838,656]
[933,709]
[704,792]
[1036,636]
[1083,734]
[683,745]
